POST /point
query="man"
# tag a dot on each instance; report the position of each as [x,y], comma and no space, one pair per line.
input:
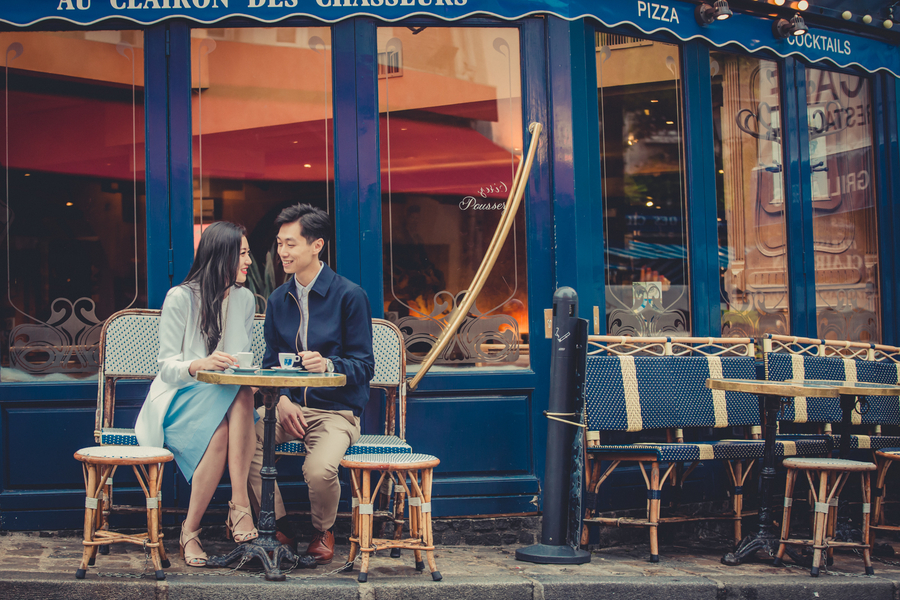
[326,320]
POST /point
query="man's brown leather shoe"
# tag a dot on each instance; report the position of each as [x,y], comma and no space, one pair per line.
[284,540]
[321,547]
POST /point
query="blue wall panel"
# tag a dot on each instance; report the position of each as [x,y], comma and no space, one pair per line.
[479,435]
[700,180]
[798,201]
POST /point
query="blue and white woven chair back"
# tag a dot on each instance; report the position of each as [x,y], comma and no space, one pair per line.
[629,393]
[390,355]
[130,344]
[258,339]
[879,409]
[782,367]
[699,406]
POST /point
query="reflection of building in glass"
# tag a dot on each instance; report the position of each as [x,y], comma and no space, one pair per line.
[843,194]
[644,205]
[450,139]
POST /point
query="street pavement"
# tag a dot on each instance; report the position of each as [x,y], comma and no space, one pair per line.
[42,566]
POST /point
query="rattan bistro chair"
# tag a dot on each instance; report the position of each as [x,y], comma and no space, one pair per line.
[99,464]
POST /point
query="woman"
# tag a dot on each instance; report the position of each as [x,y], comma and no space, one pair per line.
[205,321]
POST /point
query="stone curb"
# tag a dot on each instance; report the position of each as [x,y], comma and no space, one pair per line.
[53,586]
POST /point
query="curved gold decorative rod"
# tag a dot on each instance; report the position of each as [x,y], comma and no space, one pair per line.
[517,190]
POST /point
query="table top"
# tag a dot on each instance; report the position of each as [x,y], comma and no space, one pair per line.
[859,388]
[775,388]
[272,378]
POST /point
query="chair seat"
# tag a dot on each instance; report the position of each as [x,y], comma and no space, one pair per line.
[124,455]
[828,464]
[384,462]
[114,436]
[366,444]
[869,442]
[889,453]
[717,450]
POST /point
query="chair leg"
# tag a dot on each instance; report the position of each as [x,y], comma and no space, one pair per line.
[398,512]
[786,516]
[653,517]
[152,493]
[87,556]
[415,516]
[365,525]
[427,537]
[354,519]
[881,473]
[821,513]
[866,532]
[738,502]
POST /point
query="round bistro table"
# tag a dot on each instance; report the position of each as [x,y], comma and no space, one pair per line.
[269,382]
[770,395]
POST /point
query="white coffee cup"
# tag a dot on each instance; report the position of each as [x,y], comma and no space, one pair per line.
[287,360]
[245,359]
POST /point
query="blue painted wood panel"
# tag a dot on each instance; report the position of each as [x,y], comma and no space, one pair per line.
[473,435]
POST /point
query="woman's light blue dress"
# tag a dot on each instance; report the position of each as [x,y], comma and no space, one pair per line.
[192,418]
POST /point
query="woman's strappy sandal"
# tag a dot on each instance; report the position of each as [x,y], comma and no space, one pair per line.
[231,524]
[192,559]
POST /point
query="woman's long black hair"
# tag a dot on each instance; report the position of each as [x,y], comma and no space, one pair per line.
[214,272]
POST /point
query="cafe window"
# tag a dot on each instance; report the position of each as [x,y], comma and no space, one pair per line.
[750,198]
[644,204]
[450,104]
[842,175]
[262,134]
[73,231]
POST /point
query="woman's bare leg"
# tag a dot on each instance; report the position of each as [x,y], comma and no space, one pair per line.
[207,476]
[241,447]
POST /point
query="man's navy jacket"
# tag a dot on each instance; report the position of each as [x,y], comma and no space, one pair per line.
[340,328]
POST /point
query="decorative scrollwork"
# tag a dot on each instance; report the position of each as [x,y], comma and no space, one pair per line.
[762,118]
[68,343]
[647,316]
[482,338]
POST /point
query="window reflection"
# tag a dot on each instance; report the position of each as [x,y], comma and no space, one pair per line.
[644,226]
[73,229]
[262,134]
[843,201]
[451,136]
[749,195]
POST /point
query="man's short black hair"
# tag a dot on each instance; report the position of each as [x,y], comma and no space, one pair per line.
[314,222]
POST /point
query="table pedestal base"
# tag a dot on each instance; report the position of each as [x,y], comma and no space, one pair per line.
[765,539]
[748,548]
[260,548]
[266,542]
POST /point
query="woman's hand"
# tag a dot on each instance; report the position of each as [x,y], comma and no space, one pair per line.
[217,361]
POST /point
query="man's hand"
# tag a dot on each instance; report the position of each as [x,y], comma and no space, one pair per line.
[291,417]
[313,361]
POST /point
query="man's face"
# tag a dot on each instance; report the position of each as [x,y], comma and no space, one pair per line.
[297,255]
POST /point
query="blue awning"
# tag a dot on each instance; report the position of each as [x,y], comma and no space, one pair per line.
[750,32]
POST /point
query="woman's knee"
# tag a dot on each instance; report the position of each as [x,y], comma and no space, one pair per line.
[219,440]
[243,401]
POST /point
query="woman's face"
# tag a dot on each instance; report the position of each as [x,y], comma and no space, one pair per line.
[244,261]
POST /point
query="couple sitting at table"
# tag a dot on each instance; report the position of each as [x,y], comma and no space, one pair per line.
[205,322]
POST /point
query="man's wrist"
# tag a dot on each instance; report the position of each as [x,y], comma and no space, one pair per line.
[329,366]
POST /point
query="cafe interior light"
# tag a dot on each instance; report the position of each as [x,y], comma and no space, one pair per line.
[803,5]
[782,28]
[706,14]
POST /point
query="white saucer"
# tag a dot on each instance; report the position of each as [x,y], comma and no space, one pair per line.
[289,368]
[252,369]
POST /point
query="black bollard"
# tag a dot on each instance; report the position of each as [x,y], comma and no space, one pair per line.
[568,346]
